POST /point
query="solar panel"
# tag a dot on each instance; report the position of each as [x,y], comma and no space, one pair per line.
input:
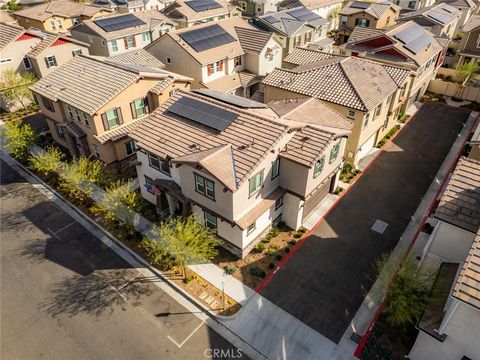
[442,18]
[360,5]
[303,14]
[207,38]
[203,5]
[203,113]
[410,33]
[418,44]
[271,19]
[115,23]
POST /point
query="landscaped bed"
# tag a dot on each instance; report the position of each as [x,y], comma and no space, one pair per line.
[262,260]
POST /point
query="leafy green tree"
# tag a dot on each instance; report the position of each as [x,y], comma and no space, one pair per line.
[48,162]
[407,290]
[465,71]
[12,5]
[184,239]
[15,87]
[18,136]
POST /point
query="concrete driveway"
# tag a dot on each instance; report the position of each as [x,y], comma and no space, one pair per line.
[325,281]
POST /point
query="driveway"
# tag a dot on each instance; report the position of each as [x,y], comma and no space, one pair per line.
[325,281]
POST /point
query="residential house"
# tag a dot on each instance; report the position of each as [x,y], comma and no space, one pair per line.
[91,103]
[6,17]
[230,55]
[327,9]
[371,94]
[409,5]
[467,7]
[243,167]
[256,7]
[58,15]
[450,325]
[119,33]
[468,48]
[296,27]
[371,15]
[132,6]
[406,45]
[440,19]
[188,13]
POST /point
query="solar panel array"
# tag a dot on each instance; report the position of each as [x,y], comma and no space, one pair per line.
[442,18]
[360,5]
[115,23]
[414,38]
[303,14]
[203,5]
[206,114]
[207,38]
[271,19]
[418,44]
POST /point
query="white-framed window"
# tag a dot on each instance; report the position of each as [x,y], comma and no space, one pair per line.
[48,104]
[205,186]
[26,63]
[319,165]
[297,40]
[255,183]
[168,60]
[130,147]
[215,67]
[276,168]
[86,122]
[412,4]
[308,37]
[70,112]
[334,152]
[146,37]
[59,24]
[365,122]
[96,151]
[251,228]
[76,52]
[378,110]
[129,42]
[114,45]
[279,203]
[237,61]
[363,22]
[270,56]
[50,61]
[210,221]
[343,20]
[6,60]
[52,24]
[351,114]
[158,164]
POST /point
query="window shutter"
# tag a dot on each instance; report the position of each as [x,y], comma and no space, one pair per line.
[209,70]
[125,42]
[105,121]
[146,107]
[134,42]
[132,107]
[54,61]
[367,23]
[119,114]
[356,21]
[221,65]
[46,63]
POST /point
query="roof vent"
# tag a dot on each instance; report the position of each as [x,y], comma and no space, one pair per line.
[194,147]
[242,147]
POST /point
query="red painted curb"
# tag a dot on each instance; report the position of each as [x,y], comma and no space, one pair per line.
[368,332]
[342,194]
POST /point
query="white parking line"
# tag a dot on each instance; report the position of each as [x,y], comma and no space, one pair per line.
[63,228]
[118,292]
[188,337]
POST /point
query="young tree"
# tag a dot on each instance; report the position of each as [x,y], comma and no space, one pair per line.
[48,162]
[184,239]
[15,87]
[465,71]
[18,136]
[12,5]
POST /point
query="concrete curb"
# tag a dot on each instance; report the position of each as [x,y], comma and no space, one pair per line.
[177,293]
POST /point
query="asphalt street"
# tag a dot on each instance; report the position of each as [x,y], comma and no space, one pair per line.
[67,296]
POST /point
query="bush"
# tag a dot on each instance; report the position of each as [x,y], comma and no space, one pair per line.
[302,230]
[287,250]
[271,265]
[48,162]
[260,247]
[338,190]
[18,138]
[279,257]
[188,279]
[272,251]
[293,242]
[256,271]
[348,167]
[297,235]
[229,270]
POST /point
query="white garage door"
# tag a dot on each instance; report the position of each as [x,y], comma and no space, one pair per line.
[366,147]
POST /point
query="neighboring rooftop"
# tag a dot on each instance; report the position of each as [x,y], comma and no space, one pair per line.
[62,8]
[438,14]
[467,287]
[374,9]
[472,24]
[197,10]
[139,57]
[302,56]
[348,81]
[288,22]
[10,33]
[460,202]
[460,3]
[48,40]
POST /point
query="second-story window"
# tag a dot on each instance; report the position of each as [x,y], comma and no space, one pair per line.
[130,147]
[86,122]
[59,24]
[319,165]
[378,110]
[158,164]
[52,25]
[276,168]
[308,37]
[334,152]
[48,104]
[50,61]
[279,203]
[77,115]
[255,183]
[362,22]
[351,114]
[210,221]
[343,20]
[112,118]
[367,117]
[139,107]
[215,67]
[129,42]
[237,61]
[204,186]
[146,37]
[412,4]
[26,63]
[75,20]
[114,45]
[76,52]
[297,40]
[70,112]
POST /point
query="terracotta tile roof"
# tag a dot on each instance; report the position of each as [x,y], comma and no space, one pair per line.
[253,214]
[253,40]
[460,3]
[431,14]
[467,287]
[233,81]
[6,17]
[117,133]
[360,33]
[472,23]
[460,202]
[48,40]
[152,20]
[317,4]
[302,56]
[251,136]
[59,7]
[258,96]
[140,57]
[375,9]
[10,33]
[162,85]
[182,8]
[348,81]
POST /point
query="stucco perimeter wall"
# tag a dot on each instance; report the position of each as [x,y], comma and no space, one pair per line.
[452,89]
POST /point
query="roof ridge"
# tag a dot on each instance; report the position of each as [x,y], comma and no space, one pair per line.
[352,84]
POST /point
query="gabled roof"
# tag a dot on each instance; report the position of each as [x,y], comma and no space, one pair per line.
[10,33]
[374,9]
[288,22]
[460,202]
[152,19]
[62,8]
[140,57]
[88,83]
[51,40]
[253,40]
[460,3]
[181,7]
[348,81]
[302,56]
[318,4]
[441,14]
[472,24]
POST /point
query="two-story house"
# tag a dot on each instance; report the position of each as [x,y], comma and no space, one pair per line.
[371,15]
[91,103]
[188,13]
[469,45]
[467,7]
[369,93]
[296,27]
[58,16]
[132,6]
[411,5]
[237,165]
[327,9]
[230,55]
[257,7]
[406,45]
[450,325]
[119,33]
[440,19]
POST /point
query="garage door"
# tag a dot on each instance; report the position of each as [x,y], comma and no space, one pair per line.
[366,147]
[314,200]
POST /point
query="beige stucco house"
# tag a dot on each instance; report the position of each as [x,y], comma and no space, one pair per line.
[92,103]
[58,16]
[133,6]
[371,15]
[450,326]
[369,93]
[475,144]
[235,59]
[244,167]
[468,48]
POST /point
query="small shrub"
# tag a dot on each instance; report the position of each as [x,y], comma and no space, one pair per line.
[271,265]
[348,167]
[293,242]
[279,257]
[18,138]
[272,251]
[260,247]
[302,230]
[287,250]
[297,235]
[338,190]
[256,271]
[188,279]
[229,270]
